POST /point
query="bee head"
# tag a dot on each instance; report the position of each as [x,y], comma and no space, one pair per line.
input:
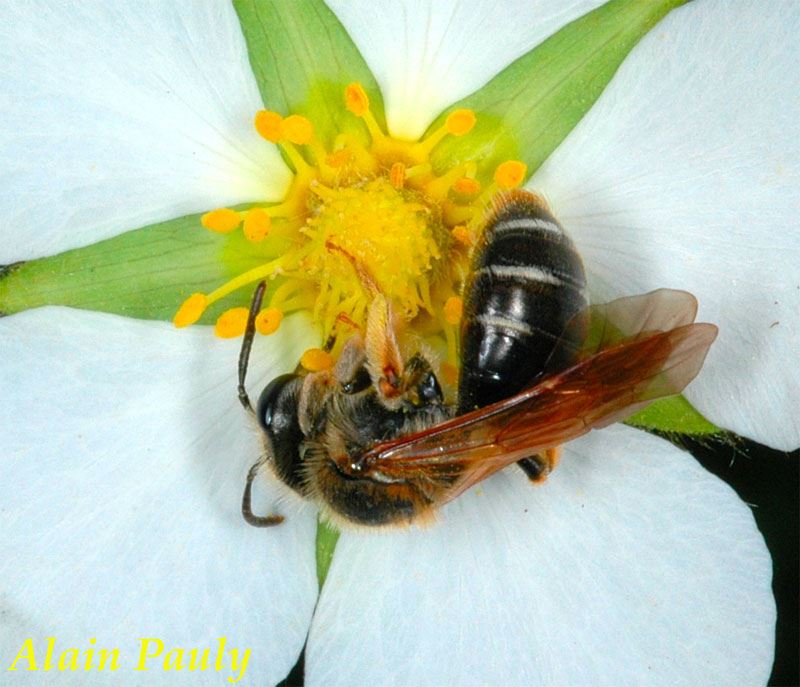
[356,415]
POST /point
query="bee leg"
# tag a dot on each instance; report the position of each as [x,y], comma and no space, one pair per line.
[538,467]
[247,511]
[384,361]
[533,468]
[247,344]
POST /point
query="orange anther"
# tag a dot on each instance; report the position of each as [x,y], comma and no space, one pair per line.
[461,234]
[397,175]
[222,220]
[460,122]
[268,125]
[257,224]
[316,360]
[453,309]
[191,310]
[339,158]
[466,186]
[510,174]
[297,129]
[356,99]
[268,321]
[231,323]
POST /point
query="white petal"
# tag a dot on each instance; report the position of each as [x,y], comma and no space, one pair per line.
[631,565]
[685,175]
[124,457]
[426,54]
[116,115]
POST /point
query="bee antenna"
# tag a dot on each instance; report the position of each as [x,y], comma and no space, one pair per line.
[247,510]
[247,344]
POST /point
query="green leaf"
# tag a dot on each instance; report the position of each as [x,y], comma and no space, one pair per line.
[145,273]
[529,108]
[674,415]
[302,59]
[327,536]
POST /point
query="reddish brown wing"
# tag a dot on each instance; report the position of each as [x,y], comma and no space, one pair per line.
[613,383]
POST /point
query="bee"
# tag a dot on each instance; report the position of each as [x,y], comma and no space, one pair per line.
[374,443]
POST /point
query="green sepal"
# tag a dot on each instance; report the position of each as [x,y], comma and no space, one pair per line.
[529,108]
[302,59]
[327,536]
[674,415]
[144,273]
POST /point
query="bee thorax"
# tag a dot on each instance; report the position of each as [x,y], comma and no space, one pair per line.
[343,484]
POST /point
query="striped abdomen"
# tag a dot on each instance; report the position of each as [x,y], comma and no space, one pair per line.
[527,282]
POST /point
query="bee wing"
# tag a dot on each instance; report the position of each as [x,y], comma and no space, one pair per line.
[604,325]
[624,374]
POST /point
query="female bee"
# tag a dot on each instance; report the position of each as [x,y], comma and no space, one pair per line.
[372,441]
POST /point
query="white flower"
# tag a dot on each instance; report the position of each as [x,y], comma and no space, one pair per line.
[125,450]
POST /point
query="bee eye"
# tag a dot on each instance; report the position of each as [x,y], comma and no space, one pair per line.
[360,381]
[429,391]
[277,407]
[277,415]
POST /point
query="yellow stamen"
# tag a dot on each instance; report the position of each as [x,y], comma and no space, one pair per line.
[451,339]
[316,360]
[245,278]
[357,101]
[510,174]
[268,321]
[449,373]
[460,122]
[361,159]
[439,186]
[288,288]
[297,129]
[257,224]
[191,310]
[466,186]
[457,123]
[453,309]
[425,295]
[320,155]
[397,175]
[323,192]
[231,323]
[268,125]
[303,301]
[455,214]
[221,220]
[300,165]
[418,170]
[422,149]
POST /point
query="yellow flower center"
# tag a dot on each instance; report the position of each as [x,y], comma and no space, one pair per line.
[372,237]
[361,221]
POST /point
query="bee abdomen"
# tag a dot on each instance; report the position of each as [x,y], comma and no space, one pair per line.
[527,282]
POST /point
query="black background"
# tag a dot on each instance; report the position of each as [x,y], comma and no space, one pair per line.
[768,480]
